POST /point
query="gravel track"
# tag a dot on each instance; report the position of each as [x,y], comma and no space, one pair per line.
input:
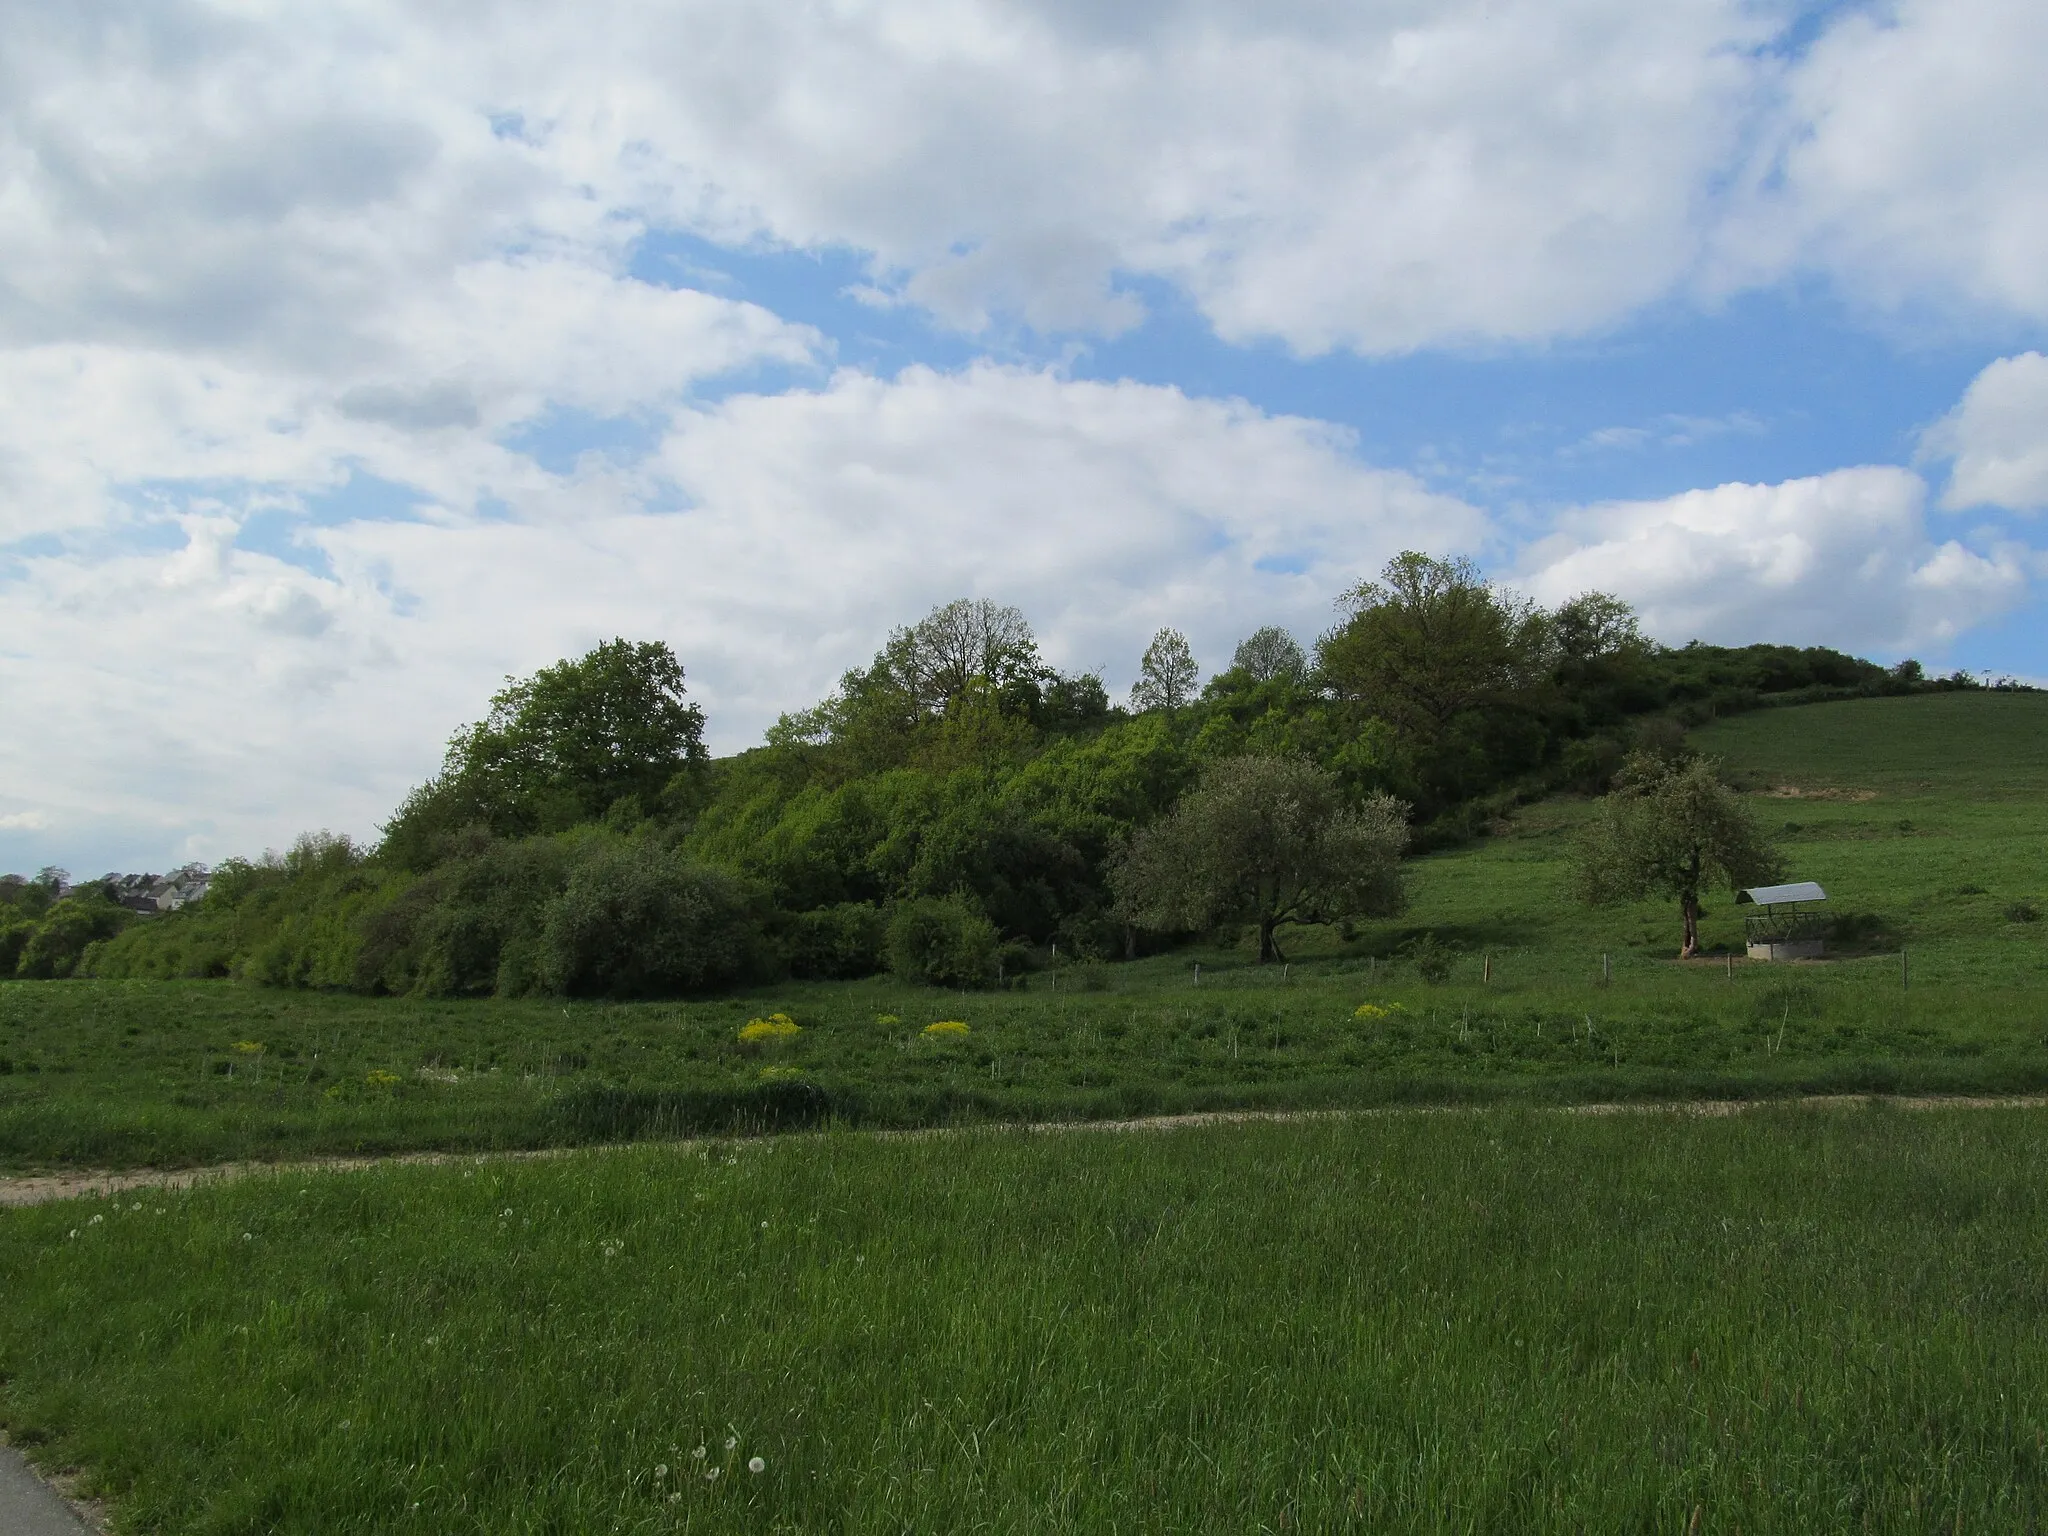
[72,1184]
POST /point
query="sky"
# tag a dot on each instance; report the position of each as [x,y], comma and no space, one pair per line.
[356,356]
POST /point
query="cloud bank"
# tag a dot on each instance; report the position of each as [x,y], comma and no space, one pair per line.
[230,691]
[1844,555]
[329,393]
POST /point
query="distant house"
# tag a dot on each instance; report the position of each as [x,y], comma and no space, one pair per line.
[147,895]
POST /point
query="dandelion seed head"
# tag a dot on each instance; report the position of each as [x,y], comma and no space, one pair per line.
[731,1441]
[248,1237]
[697,1454]
[98,1219]
[711,1474]
[661,1470]
[757,1466]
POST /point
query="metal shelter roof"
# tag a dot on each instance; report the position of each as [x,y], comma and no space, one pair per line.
[1771,895]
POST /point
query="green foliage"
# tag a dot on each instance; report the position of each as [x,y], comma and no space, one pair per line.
[1167,673]
[583,913]
[640,920]
[44,936]
[16,928]
[1430,643]
[293,921]
[113,1073]
[561,748]
[1431,957]
[837,943]
[61,936]
[1270,655]
[942,941]
[472,925]
[1668,829]
[1266,841]
[30,898]
[956,763]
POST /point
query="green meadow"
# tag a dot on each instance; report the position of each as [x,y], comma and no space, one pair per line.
[1478,1311]
[1926,817]
[1793,1320]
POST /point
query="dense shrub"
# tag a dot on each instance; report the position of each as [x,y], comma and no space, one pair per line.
[52,948]
[943,941]
[15,928]
[473,925]
[837,943]
[293,921]
[639,920]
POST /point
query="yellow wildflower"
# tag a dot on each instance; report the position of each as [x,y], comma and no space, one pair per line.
[1376,1010]
[887,1020]
[382,1079]
[947,1029]
[249,1047]
[777,1026]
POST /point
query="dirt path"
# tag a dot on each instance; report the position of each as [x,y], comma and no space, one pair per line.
[41,1188]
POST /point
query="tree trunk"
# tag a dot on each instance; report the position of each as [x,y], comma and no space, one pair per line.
[1268,950]
[1689,909]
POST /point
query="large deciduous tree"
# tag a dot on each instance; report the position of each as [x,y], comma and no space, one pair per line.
[1671,828]
[1429,642]
[560,747]
[1267,841]
[1167,673]
[1270,655]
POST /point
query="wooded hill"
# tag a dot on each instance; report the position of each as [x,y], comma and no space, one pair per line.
[955,808]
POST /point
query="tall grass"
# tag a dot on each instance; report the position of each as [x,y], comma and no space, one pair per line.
[1788,1321]
[124,1073]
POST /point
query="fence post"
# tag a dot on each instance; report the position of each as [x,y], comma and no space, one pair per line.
[1198,975]
[1904,972]
[1486,968]
[1606,970]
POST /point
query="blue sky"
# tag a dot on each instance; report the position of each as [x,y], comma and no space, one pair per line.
[353,361]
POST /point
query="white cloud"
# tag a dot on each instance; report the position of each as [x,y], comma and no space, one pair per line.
[212,698]
[276,183]
[436,384]
[1840,559]
[1670,430]
[1379,177]
[249,251]
[1909,161]
[1998,438]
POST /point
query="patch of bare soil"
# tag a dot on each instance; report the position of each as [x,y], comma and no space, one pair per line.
[1796,792]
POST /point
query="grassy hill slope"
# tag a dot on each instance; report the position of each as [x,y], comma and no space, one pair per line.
[1925,817]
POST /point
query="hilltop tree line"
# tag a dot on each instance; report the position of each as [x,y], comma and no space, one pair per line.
[955,808]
